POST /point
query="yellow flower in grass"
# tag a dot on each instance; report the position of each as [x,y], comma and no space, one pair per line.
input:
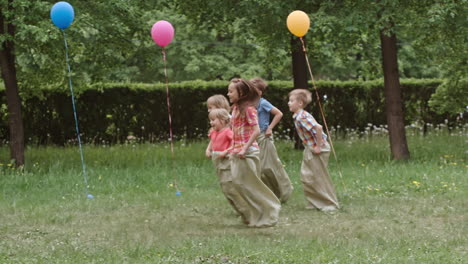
[416,183]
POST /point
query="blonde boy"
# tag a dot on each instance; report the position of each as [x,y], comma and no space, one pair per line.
[318,188]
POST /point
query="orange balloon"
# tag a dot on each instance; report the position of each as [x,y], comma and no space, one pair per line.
[298,23]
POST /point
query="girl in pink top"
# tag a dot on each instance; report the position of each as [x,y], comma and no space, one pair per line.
[220,142]
[262,206]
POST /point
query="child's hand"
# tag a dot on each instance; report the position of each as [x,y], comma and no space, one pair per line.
[241,154]
[208,153]
[268,132]
[316,150]
[222,155]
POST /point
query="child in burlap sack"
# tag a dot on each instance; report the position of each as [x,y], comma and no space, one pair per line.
[318,188]
[220,142]
[273,173]
[262,205]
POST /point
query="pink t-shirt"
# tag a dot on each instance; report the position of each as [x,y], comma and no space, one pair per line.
[243,127]
[220,140]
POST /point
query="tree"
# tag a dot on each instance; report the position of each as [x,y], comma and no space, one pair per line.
[8,68]
[110,41]
[27,57]
[393,97]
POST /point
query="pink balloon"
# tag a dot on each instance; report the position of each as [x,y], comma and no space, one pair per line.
[162,33]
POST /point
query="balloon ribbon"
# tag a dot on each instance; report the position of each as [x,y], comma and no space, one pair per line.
[83,166]
[170,119]
[321,111]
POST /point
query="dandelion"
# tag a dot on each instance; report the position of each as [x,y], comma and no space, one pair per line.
[416,183]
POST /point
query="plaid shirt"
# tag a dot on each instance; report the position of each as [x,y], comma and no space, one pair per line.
[243,127]
[305,123]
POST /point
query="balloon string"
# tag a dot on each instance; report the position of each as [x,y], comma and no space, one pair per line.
[321,111]
[83,166]
[170,118]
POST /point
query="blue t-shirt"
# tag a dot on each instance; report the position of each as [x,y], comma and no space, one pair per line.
[263,109]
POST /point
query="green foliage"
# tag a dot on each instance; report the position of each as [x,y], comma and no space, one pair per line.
[451,97]
[110,112]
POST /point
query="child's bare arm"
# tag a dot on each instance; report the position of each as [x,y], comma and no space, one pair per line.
[252,138]
[318,138]
[208,150]
[276,118]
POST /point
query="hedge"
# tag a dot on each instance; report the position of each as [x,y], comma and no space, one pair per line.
[110,112]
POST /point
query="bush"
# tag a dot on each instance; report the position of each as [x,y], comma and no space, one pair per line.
[110,112]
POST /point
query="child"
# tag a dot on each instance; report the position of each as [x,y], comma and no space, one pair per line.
[318,188]
[273,174]
[214,102]
[262,205]
[218,101]
[220,141]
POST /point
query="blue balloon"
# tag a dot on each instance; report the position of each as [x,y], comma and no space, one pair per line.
[62,14]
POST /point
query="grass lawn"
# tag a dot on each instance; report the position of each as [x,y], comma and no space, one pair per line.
[392,212]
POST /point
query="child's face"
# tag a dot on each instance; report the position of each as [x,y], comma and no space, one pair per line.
[210,107]
[217,124]
[232,94]
[294,104]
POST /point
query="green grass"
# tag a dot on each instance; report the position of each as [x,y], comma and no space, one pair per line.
[392,212]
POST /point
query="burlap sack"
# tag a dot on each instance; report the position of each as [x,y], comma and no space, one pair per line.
[318,188]
[223,171]
[273,173]
[262,205]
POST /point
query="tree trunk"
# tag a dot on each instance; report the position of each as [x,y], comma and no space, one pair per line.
[299,67]
[8,68]
[393,98]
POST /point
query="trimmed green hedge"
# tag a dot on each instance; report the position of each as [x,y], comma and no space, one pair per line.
[110,112]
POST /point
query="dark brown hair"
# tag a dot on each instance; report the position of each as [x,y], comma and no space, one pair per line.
[260,84]
[248,94]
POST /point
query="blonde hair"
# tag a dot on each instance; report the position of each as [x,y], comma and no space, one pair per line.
[260,84]
[218,101]
[303,95]
[221,114]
